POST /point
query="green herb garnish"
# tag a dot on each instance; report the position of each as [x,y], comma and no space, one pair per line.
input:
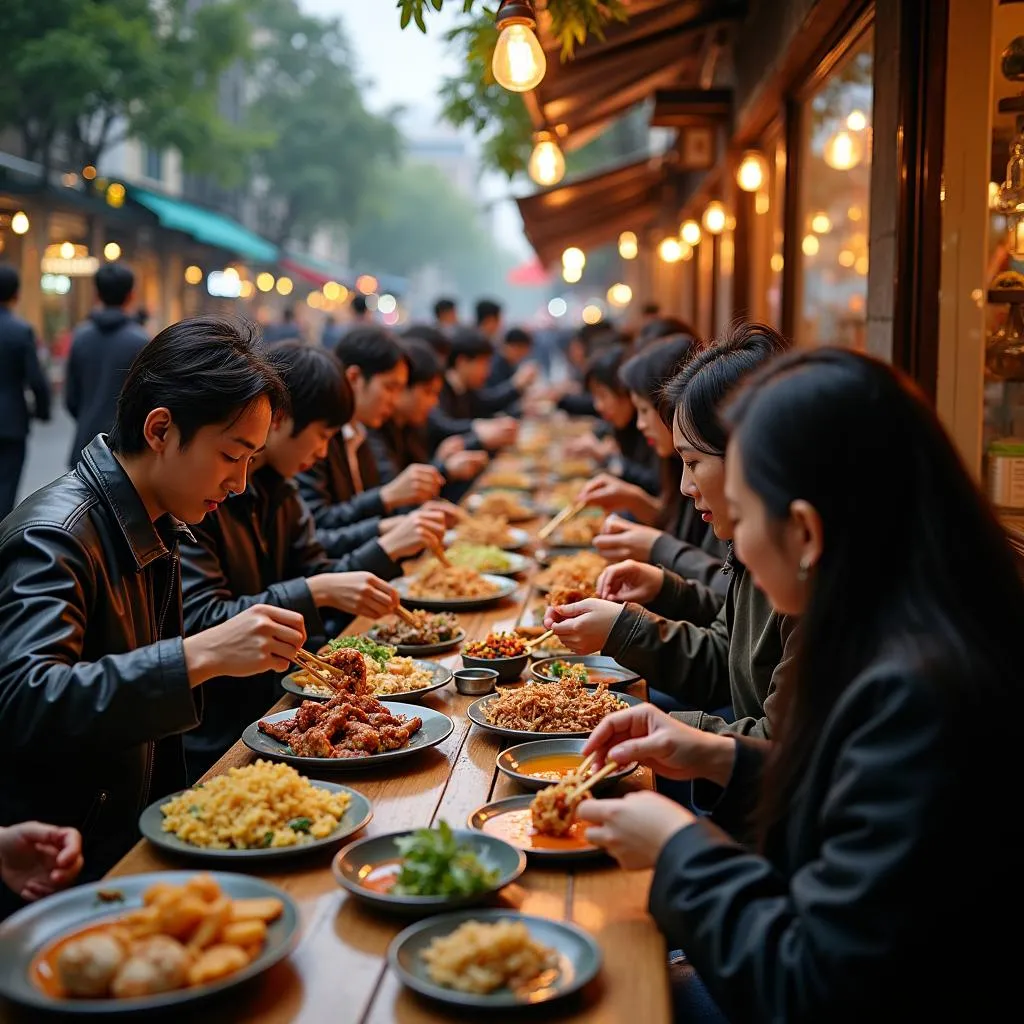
[381,653]
[571,670]
[300,824]
[268,838]
[434,863]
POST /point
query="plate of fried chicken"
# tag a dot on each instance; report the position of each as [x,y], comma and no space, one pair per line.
[351,730]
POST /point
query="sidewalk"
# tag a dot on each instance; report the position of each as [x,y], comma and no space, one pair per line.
[48,448]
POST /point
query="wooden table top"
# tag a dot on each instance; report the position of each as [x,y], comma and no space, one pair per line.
[339,971]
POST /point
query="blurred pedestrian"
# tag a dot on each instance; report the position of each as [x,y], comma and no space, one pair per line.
[102,350]
[488,319]
[446,314]
[331,334]
[286,330]
[19,372]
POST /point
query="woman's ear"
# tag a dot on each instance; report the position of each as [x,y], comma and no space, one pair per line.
[807,532]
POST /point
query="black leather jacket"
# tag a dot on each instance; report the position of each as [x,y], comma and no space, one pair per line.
[92,666]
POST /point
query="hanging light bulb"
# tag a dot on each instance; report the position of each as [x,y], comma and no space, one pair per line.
[750,174]
[670,250]
[690,232]
[20,223]
[628,247]
[714,218]
[519,62]
[573,257]
[547,162]
[572,274]
[843,151]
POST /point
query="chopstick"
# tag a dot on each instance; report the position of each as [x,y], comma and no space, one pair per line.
[438,553]
[564,516]
[310,663]
[593,780]
[586,764]
[546,635]
[406,615]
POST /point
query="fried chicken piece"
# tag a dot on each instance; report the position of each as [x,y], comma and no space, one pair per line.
[308,715]
[360,736]
[394,736]
[553,810]
[312,743]
[280,731]
[351,665]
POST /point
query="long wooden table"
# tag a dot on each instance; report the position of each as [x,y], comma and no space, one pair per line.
[339,971]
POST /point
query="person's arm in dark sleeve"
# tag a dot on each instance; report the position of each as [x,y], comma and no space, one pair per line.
[580,404]
[36,380]
[688,662]
[339,541]
[647,477]
[72,383]
[209,599]
[498,398]
[688,600]
[50,697]
[440,425]
[690,562]
[387,465]
[817,946]
[313,486]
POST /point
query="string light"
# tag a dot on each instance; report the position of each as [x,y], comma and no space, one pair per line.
[690,232]
[20,223]
[750,174]
[714,218]
[193,274]
[574,257]
[112,251]
[547,162]
[518,63]
[810,245]
[620,294]
[265,281]
[628,247]
[670,250]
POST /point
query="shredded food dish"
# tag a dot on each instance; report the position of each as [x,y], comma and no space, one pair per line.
[508,478]
[183,936]
[503,503]
[481,557]
[438,582]
[399,675]
[580,531]
[577,572]
[257,806]
[428,628]
[565,706]
[480,957]
[484,529]
[564,493]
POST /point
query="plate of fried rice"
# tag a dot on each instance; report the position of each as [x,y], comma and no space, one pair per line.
[264,810]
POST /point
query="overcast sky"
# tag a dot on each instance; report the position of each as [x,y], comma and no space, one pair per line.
[406,68]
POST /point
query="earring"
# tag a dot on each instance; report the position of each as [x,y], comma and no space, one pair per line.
[804,570]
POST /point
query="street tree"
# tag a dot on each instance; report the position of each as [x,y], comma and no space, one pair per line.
[81,76]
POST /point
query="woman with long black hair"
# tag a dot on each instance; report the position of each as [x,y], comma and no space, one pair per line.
[675,535]
[887,856]
[696,663]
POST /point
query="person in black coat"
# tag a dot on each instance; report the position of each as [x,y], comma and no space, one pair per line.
[840,862]
[19,372]
[96,680]
[260,547]
[102,350]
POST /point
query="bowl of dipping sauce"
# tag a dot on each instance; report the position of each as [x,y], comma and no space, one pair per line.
[541,763]
[475,682]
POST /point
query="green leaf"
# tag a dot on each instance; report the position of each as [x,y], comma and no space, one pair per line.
[268,838]
[300,824]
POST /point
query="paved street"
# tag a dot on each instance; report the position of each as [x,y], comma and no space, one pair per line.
[48,447]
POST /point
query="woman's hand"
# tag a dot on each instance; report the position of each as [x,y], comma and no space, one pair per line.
[466,465]
[630,581]
[620,539]
[449,446]
[589,446]
[610,493]
[665,745]
[635,829]
[37,859]
[583,627]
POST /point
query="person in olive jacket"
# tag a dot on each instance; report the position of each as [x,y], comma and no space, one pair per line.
[96,682]
[261,548]
[739,656]
[883,865]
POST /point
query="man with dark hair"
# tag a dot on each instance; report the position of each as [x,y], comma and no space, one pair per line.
[402,440]
[344,490]
[260,547]
[438,340]
[101,352]
[488,318]
[464,406]
[92,661]
[360,313]
[19,372]
[509,362]
[446,314]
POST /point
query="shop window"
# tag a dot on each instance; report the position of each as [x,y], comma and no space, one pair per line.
[832,216]
[154,163]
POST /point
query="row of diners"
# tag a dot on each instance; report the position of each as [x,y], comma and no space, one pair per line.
[402,681]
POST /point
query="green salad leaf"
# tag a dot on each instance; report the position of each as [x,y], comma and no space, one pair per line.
[434,863]
[381,653]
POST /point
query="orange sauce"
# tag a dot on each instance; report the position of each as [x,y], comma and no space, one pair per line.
[550,766]
[597,678]
[43,969]
[382,877]
[516,827]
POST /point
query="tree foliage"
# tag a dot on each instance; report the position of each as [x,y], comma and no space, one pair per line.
[80,76]
[420,219]
[474,98]
[327,147]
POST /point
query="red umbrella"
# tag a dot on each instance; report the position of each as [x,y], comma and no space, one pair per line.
[531,274]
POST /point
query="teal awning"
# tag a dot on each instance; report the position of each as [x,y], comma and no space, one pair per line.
[206,226]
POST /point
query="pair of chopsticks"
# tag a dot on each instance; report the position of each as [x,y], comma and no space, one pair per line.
[438,552]
[592,780]
[406,616]
[317,667]
[564,516]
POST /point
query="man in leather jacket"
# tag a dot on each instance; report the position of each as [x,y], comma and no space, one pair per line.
[260,547]
[95,678]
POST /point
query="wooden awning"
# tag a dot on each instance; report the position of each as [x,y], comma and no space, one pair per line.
[592,211]
[663,45]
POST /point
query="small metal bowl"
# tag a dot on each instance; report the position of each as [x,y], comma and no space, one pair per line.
[475,682]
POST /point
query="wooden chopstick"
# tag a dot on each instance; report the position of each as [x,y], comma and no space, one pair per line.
[546,635]
[563,517]
[593,780]
[438,553]
[309,664]
[406,615]
[586,764]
